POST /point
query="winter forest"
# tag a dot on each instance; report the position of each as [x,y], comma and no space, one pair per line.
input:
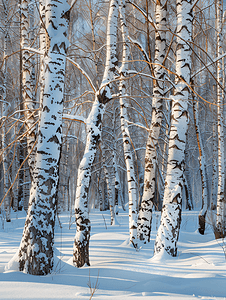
[112,166]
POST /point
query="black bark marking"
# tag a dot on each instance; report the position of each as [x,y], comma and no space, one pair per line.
[42,152]
[59,130]
[66,15]
[51,22]
[54,139]
[56,48]
[49,123]
[102,98]
[46,109]
[202,224]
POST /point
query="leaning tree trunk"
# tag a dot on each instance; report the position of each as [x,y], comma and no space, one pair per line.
[93,129]
[220,222]
[145,213]
[81,243]
[36,248]
[168,231]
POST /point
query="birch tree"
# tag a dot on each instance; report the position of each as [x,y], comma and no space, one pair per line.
[5,109]
[145,213]
[202,167]
[28,85]
[168,231]
[36,248]
[109,186]
[220,222]
[128,153]
[4,113]
[118,189]
[93,131]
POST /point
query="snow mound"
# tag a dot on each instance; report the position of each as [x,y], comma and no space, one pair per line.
[161,257]
[13,264]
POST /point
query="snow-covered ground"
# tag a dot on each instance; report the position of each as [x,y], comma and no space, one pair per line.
[119,271]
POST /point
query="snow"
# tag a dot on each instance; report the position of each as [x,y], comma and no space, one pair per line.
[198,272]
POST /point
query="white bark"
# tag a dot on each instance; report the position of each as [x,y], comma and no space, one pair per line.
[168,231]
[36,248]
[214,163]
[128,153]
[220,222]
[28,102]
[145,213]
[202,167]
[5,106]
[109,187]
[118,189]
[31,11]
[93,129]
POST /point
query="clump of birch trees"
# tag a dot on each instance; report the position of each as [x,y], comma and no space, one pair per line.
[111,105]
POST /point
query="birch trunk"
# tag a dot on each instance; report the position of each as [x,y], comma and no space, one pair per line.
[36,248]
[118,189]
[99,186]
[5,154]
[214,163]
[109,188]
[168,231]
[202,167]
[220,222]
[93,129]
[187,193]
[145,213]
[31,10]
[128,154]
[21,146]
[43,41]
[28,102]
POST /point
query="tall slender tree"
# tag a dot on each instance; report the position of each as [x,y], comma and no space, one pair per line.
[168,232]
[202,167]
[109,186]
[93,130]
[4,113]
[220,222]
[145,213]
[28,101]
[128,153]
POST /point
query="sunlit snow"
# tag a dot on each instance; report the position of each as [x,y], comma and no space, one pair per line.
[121,272]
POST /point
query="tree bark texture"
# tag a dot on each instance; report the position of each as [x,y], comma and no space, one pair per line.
[5,154]
[220,222]
[202,167]
[128,153]
[168,232]
[93,129]
[109,187]
[27,80]
[36,248]
[145,213]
